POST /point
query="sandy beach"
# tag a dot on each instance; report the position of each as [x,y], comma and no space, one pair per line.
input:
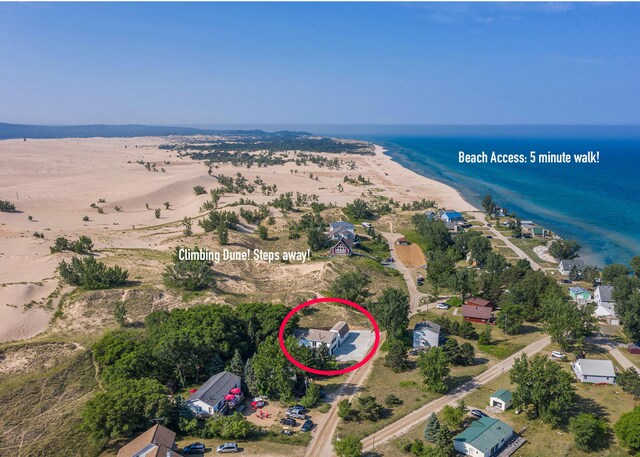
[53,184]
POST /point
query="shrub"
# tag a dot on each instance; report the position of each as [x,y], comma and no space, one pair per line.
[91,274]
[157,213]
[199,190]
[392,400]
[190,275]
[7,207]
[85,218]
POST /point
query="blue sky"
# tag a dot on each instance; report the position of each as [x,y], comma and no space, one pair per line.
[308,63]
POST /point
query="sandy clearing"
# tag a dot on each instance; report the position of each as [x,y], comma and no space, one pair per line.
[411,255]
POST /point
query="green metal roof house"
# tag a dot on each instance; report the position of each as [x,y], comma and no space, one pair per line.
[483,438]
[501,399]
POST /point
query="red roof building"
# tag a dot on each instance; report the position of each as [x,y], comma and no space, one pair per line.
[479,314]
[475,301]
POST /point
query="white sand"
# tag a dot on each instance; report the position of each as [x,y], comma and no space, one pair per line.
[55,181]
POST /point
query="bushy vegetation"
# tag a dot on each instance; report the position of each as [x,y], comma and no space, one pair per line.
[92,274]
[82,245]
[7,207]
[217,219]
[189,275]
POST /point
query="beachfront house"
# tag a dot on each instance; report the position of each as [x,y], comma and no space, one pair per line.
[478,314]
[580,295]
[603,296]
[485,437]
[501,399]
[565,266]
[220,394]
[344,247]
[452,227]
[451,216]
[157,441]
[315,338]
[595,371]
[426,334]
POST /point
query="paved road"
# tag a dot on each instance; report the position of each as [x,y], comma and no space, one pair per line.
[417,417]
[612,347]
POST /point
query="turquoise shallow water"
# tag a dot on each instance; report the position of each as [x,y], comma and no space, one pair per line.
[597,204]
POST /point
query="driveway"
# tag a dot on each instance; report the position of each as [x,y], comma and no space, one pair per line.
[355,347]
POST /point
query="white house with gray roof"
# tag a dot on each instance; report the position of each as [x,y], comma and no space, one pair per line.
[565,266]
[603,296]
[315,338]
[210,398]
[595,371]
[426,334]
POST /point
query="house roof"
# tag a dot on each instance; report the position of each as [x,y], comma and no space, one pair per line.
[485,433]
[478,312]
[601,311]
[341,231]
[342,328]
[341,224]
[314,334]
[606,293]
[475,301]
[504,395]
[569,264]
[453,215]
[161,437]
[216,387]
[427,326]
[348,242]
[594,367]
[578,290]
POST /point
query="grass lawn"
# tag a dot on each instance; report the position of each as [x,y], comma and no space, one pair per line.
[542,440]
[259,446]
[503,345]
[407,386]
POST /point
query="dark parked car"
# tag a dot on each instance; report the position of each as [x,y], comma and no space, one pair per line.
[307,426]
[194,448]
[288,421]
[227,447]
[477,413]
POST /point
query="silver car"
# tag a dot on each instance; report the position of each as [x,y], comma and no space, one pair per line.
[227,447]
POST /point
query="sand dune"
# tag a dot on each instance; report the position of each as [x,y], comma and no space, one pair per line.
[56,181]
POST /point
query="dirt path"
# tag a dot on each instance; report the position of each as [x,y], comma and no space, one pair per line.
[414,294]
[321,444]
[419,416]
[612,347]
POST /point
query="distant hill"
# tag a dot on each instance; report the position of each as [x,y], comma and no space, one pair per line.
[9,131]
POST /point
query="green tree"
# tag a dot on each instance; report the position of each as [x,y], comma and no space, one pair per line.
[392,311]
[396,357]
[611,272]
[263,232]
[432,428]
[351,285]
[7,207]
[452,416]
[564,249]
[588,430]
[186,274]
[542,387]
[187,224]
[487,203]
[566,323]
[311,396]
[156,212]
[346,411]
[359,209]
[317,239]
[234,426]
[464,282]
[120,313]
[628,429]
[635,265]
[444,440]
[223,235]
[199,190]
[629,381]
[126,408]
[485,336]
[236,364]
[92,274]
[368,408]
[434,368]
[511,318]
[348,446]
